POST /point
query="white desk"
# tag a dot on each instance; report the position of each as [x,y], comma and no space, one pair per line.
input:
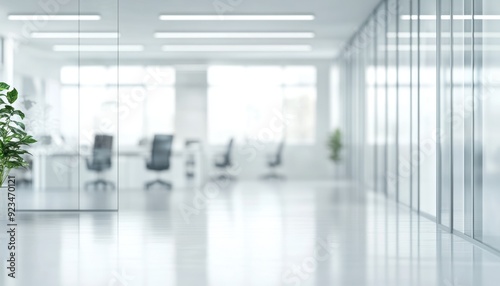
[66,169]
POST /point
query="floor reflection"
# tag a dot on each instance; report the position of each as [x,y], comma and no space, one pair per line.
[66,199]
[252,233]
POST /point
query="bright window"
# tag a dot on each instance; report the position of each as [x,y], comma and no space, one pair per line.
[146,104]
[262,103]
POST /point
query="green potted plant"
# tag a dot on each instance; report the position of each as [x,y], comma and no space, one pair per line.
[335,146]
[13,136]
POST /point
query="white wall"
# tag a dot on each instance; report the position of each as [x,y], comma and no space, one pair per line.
[191,103]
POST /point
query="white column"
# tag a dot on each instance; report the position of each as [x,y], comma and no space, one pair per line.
[191,112]
[8,61]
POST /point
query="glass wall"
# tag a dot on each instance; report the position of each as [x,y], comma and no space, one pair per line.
[381,97]
[487,86]
[427,106]
[370,107]
[445,162]
[404,38]
[73,119]
[392,99]
[421,75]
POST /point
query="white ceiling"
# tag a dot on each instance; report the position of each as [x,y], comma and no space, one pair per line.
[336,21]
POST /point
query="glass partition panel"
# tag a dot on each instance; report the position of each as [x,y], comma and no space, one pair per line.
[487,212]
[445,110]
[427,107]
[460,83]
[97,95]
[381,98]
[370,105]
[392,99]
[50,181]
[468,115]
[405,39]
[414,105]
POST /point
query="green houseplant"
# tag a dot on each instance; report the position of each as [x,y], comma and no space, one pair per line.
[13,136]
[335,145]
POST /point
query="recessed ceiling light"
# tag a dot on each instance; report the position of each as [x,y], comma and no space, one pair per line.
[75,35]
[448,17]
[237,48]
[416,17]
[487,17]
[407,35]
[234,35]
[237,17]
[433,48]
[54,17]
[393,35]
[98,48]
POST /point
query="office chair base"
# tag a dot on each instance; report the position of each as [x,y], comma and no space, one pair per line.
[166,184]
[274,177]
[224,177]
[23,181]
[98,183]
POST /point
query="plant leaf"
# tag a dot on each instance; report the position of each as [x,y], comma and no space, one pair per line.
[17,131]
[20,124]
[6,110]
[12,96]
[29,140]
[18,112]
[4,86]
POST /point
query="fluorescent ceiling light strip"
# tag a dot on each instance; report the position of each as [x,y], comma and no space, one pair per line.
[407,35]
[54,17]
[487,17]
[98,48]
[427,48]
[393,35]
[415,17]
[74,35]
[234,35]
[448,17]
[237,17]
[237,48]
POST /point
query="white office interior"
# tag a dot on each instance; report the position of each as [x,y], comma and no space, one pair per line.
[189,143]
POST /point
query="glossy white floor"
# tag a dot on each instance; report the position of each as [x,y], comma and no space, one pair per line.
[252,233]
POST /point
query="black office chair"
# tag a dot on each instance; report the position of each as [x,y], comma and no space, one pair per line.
[274,161]
[224,161]
[102,153]
[190,146]
[26,177]
[160,158]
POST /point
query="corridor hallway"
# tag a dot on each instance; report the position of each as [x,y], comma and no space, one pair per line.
[252,233]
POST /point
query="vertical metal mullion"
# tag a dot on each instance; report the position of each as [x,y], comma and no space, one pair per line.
[375,99]
[362,113]
[79,106]
[118,108]
[418,106]
[452,110]
[411,106]
[386,83]
[397,101]
[473,231]
[351,116]
[438,115]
